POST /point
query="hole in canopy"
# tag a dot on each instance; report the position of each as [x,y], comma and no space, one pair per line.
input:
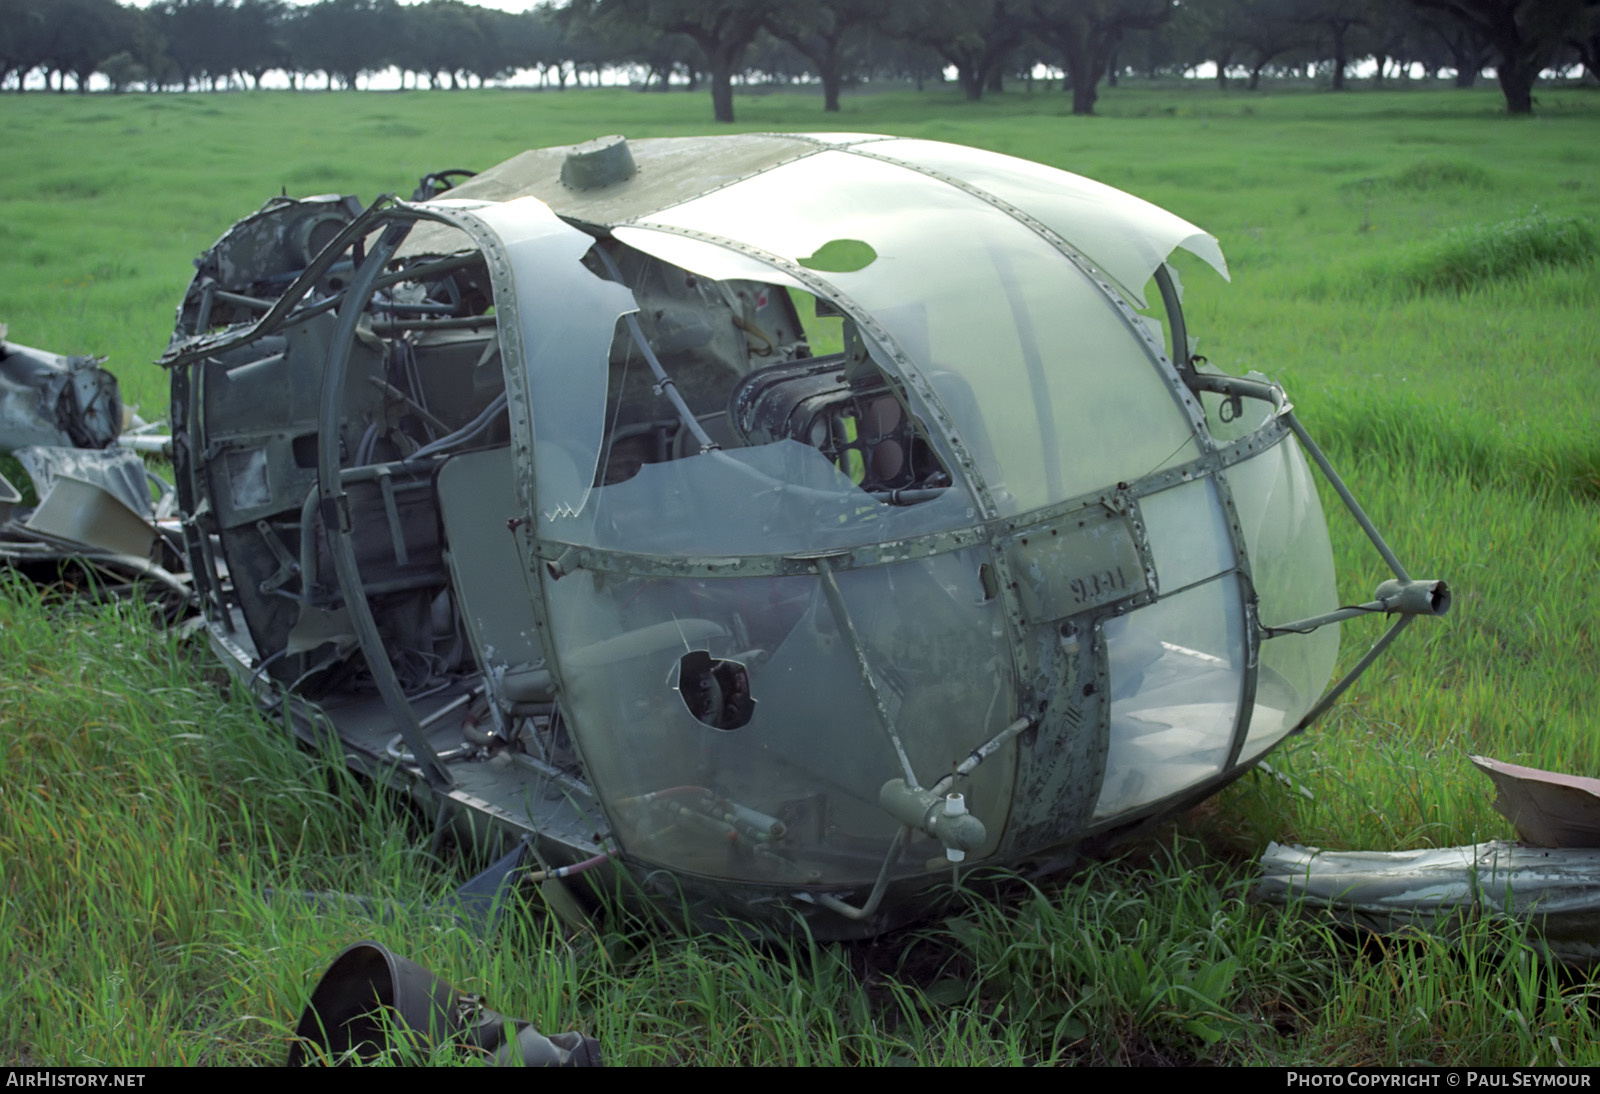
[715,691]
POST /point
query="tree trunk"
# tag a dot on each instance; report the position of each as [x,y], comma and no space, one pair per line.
[722,89]
[1085,73]
[971,82]
[832,79]
[1083,97]
[1516,81]
[1589,53]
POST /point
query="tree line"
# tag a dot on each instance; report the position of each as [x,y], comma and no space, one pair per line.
[212,44]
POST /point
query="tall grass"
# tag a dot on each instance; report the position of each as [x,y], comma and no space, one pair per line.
[1482,998]
[1162,963]
[1466,258]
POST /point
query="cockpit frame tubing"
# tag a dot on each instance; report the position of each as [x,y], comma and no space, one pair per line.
[1283,410]
[335,511]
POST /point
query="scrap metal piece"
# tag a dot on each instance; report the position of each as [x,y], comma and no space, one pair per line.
[82,511]
[48,398]
[10,496]
[1553,893]
[97,571]
[95,520]
[372,1001]
[117,472]
[1549,809]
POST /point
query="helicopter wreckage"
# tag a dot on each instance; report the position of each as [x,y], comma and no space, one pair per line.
[63,421]
[772,520]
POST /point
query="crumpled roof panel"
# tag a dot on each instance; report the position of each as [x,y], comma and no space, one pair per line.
[1125,236]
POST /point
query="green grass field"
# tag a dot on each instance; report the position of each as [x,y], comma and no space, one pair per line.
[1420,270]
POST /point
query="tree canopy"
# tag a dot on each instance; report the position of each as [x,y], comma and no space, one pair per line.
[213,44]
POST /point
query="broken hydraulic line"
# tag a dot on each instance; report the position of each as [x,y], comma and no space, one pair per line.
[874,898]
[1394,597]
[981,753]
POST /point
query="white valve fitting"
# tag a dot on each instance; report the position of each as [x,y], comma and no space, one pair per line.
[955,805]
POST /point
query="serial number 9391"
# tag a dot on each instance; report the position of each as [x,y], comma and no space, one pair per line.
[1100,586]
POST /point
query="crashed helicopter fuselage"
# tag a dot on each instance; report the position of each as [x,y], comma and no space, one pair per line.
[774,519]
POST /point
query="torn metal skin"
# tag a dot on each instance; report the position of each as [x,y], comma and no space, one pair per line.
[770,521]
[95,522]
[50,399]
[1548,883]
[1551,893]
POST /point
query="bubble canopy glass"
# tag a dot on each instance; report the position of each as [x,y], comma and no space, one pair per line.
[1085,574]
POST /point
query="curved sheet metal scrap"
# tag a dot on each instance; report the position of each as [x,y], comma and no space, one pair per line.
[117,471]
[1553,892]
[1549,809]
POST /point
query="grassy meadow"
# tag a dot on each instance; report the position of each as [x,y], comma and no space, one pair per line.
[1418,269]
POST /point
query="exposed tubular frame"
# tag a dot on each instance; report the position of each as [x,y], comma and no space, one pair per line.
[1404,596]
[202,345]
[328,496]
[334,504]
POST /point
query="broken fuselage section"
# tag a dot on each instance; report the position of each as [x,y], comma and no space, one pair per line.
[776,519]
